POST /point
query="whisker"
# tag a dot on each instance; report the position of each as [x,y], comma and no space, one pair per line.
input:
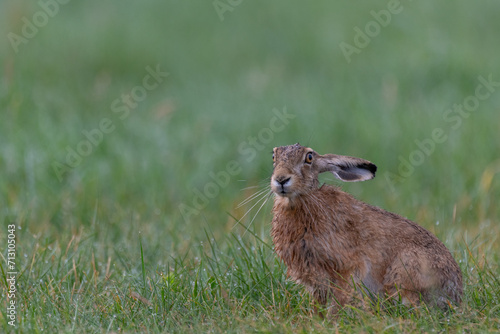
[251,187]
[252,197]
[246,213]
[260,208]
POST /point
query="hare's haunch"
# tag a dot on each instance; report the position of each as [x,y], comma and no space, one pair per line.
[332,242]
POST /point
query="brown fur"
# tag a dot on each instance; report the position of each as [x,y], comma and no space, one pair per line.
[331,242]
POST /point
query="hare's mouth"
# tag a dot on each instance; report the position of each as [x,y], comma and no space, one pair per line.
[283,193]
[282,186]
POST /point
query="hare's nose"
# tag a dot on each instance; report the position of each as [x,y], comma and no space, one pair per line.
[282,180]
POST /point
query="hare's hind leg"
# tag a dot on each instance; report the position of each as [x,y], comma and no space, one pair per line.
[409,278]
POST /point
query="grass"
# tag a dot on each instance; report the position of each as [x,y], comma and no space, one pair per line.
[104,247]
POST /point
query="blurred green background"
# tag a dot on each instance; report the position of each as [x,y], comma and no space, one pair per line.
[225,78]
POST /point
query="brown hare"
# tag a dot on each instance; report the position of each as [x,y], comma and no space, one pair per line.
[333,243]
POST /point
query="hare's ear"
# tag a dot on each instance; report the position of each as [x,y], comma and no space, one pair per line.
[348,169]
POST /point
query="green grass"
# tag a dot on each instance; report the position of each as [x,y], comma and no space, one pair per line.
[105,248]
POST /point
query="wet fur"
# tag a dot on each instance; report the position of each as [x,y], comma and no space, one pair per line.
[330,242]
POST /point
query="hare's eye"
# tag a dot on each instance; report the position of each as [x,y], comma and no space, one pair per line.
[273,157]
[309,158]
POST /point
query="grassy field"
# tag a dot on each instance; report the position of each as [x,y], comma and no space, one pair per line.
[131,132]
